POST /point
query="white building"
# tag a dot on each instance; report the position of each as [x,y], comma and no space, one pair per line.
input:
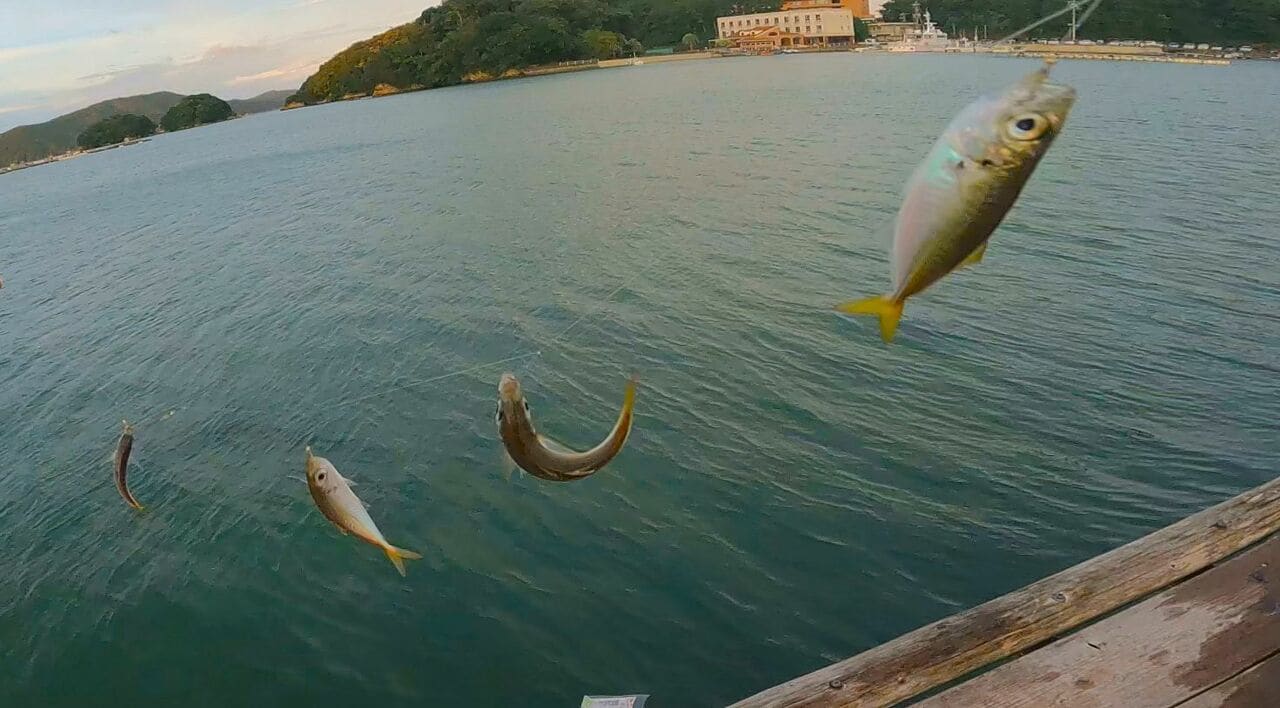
[803,27]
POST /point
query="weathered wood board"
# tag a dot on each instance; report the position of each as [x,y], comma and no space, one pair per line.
[1259,687]
[941,652]
[1163,651]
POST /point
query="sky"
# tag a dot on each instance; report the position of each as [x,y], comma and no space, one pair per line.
[60,55]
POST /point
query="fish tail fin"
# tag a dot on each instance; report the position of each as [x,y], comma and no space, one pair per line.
[397,556]
[629,399]
[885,307]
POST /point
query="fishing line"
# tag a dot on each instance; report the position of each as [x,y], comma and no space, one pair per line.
[1047,18]
[1085,16]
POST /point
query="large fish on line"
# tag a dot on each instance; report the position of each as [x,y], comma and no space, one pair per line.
[123,448]
[543,458]
[965,186]
[332,494]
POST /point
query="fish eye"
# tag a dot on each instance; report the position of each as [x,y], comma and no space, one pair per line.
[1028,126]
[320,476]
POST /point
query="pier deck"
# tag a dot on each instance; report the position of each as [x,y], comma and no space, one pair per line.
[1190,618]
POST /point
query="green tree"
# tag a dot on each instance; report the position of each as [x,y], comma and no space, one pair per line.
[116,129]
[601,44]
[634,47]
[196,110]
[689,41]
[860,31]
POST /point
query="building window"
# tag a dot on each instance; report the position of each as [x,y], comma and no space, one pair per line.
[806,18]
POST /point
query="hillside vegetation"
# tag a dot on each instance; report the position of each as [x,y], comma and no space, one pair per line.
[33,142]
[1225,22]
[463,38]
[269,101]
[196,110]
[116,129]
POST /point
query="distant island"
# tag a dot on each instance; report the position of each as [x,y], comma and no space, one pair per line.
[31,143]
[200,109]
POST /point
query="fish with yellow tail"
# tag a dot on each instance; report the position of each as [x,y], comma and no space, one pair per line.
[541,457]
[962,190]
[332,494]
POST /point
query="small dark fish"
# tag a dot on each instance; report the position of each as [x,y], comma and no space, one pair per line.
[544,459]
[123,448]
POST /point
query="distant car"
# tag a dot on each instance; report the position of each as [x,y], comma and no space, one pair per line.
[1246,49]
[1202,46]
[1053,41]
[1086,42]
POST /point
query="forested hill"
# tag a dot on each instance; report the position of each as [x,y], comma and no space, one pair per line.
[32,142]
[465,37]
[1225,22]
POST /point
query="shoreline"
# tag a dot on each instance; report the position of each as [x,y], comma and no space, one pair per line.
[384,90]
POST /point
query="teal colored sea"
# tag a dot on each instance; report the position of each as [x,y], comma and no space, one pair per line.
[357,276]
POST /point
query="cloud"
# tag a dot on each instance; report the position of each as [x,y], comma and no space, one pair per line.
[15,109]
[230,49]
[298,70]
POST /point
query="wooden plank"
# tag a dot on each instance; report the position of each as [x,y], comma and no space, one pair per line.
[952,647]
[1156,654]
[1259,687]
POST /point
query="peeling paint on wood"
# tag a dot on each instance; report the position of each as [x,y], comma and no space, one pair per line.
[1259,687]
[1160,652]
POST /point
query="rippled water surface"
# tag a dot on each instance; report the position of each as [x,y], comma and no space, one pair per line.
[795,491]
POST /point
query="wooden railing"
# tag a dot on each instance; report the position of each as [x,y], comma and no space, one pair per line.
[956,646]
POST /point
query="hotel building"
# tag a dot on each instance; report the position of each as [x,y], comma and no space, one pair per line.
[809,24]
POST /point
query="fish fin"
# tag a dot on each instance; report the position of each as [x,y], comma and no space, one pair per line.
[366,504]
[976,257]
[300,479]
[509,465]
[397,557]
[350,482]
[553,445]
[882,306]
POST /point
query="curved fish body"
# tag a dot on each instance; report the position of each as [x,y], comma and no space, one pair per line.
[123,448]
[966,185]
[333,496]
[539,457]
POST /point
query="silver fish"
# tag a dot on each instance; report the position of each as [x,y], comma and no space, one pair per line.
[332,494]
[544,458]
[968,182]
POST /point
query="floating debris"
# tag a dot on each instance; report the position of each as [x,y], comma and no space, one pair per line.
[544,458]
[332,494]
[123,448]
[965,186]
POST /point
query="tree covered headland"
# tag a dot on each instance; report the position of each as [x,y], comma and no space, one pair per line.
[462,38]
[1226,22]
[116,129]
[196,110]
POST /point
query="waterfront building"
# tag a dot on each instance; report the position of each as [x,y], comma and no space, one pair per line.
[772,31]
[860,8]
